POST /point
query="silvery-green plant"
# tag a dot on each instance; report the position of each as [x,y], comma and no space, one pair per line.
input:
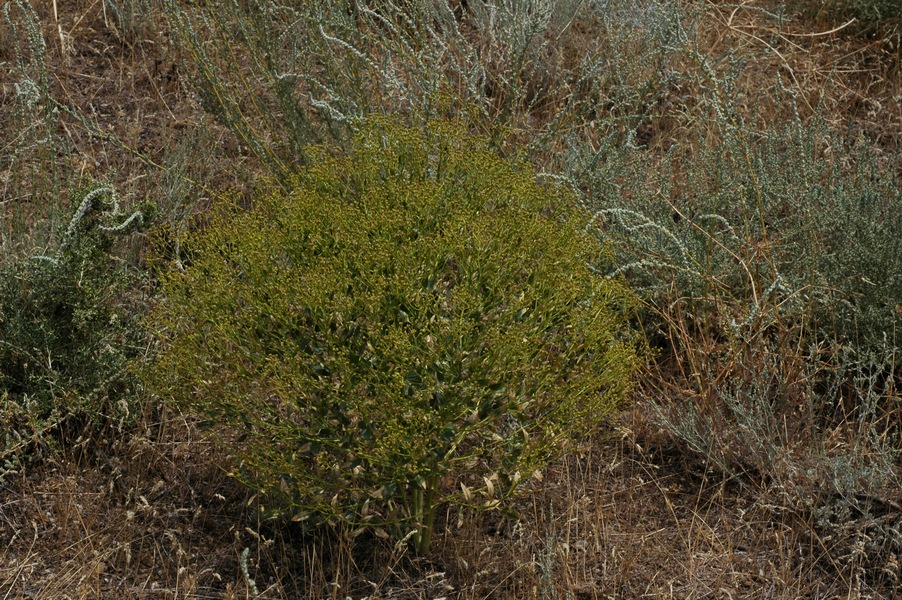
[771,267]
[129,18]
[30,133]
[283,75]
[68,330]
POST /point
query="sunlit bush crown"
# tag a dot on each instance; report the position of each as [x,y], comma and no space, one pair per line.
[414,324]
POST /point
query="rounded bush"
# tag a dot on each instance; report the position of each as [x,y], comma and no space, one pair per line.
[415,323]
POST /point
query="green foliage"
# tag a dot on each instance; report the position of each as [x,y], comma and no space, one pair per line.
[67,330]
[414,324]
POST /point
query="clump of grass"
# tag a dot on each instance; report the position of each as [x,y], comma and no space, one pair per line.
[871,14]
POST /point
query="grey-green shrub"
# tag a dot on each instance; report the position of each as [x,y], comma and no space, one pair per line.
[32,137]
[771,232]
[68,329]
[771,266]
[284,75]
[413,324]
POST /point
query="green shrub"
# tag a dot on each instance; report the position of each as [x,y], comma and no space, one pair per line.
[414,324]
[67,330]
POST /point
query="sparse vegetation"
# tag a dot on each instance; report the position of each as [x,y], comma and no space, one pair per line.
[739,162]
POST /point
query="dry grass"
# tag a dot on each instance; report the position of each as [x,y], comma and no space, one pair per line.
[156,517]
[150,516]
[151,512]
[852,82]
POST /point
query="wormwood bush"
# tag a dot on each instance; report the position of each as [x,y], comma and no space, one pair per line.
[31,136]
[773,271]
[412,325]
[67,330]
[282,75]
[769,235]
